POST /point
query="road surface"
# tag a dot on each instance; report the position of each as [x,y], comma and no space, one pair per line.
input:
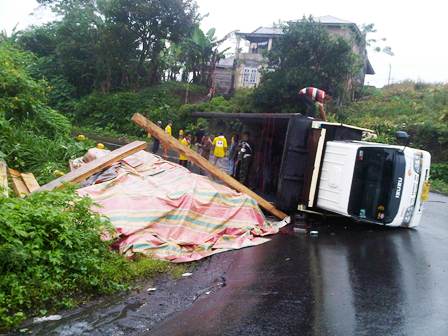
[349,280]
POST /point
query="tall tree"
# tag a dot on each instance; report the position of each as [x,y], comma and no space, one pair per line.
[305,55]
[111,44]
[153,24]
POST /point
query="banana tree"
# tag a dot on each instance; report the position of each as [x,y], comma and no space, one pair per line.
[201,54]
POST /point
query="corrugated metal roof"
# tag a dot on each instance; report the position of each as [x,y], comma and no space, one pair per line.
[226,62]
[268,31]
[328,19]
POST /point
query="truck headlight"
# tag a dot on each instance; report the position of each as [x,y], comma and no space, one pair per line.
[408,215]
[417,163]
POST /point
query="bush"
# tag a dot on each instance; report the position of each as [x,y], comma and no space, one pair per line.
[50,253]
[28,151]
[33,136]
[52,256]
[114,111]
[241,102]
[439,171]
[416,108]
[22,98]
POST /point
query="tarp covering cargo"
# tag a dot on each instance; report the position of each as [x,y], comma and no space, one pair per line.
[161,209]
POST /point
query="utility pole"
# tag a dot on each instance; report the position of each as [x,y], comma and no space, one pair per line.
[390,72]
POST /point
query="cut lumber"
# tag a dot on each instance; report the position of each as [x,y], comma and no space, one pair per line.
[198,160]
[18,185]
[95,166]
[30,181]
[4,190]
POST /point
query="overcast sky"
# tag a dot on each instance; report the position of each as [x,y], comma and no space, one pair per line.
[416,31]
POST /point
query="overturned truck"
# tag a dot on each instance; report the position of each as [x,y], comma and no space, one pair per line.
[309,165]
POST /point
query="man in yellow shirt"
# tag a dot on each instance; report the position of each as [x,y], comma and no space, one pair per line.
[186,141]
[219,149]
[169,131]
[168,128]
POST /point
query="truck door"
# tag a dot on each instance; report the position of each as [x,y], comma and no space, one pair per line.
[294,163]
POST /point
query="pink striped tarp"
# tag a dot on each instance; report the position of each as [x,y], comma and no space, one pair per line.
[161,209]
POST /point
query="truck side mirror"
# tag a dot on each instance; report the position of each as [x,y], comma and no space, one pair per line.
[403,138]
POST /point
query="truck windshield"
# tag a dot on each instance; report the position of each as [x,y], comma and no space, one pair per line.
[377,183]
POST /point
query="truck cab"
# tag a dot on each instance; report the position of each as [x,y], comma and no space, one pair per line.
[372,182]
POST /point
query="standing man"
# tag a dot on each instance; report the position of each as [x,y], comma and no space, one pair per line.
[314,99]
[199,135]
[234,142]
[168,128]
[156,142]
[220,148]
[181,135]
[206,146]
[186,141]
[169,131]
[243,160]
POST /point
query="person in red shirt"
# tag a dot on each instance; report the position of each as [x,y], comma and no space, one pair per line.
[314,99]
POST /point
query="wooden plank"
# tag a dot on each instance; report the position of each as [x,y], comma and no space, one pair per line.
[316,167]
[4,189]
[30,182]
[198,160]
[95,166]
[312,143]
[17,183]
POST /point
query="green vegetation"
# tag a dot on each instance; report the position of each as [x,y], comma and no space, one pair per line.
[113,111]
[119,45]
[110,45]
[33,136]
[440,186]
[52,256]
[305,55]
[439,177]
[418,108]
[51,253]
[241,102]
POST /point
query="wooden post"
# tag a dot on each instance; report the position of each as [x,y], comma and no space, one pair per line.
[30,182]
[3,179]
[95,166]
[198,160]
[17,183]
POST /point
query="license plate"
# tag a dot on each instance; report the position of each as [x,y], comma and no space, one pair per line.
[425,191]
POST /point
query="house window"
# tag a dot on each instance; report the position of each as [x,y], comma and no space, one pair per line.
[250,76]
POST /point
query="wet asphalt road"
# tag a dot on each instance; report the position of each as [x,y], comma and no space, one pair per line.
[349,280]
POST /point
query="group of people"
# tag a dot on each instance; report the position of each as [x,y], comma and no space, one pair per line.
[216,149]
[238,155]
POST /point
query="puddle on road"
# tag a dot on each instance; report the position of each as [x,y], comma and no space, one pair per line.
[136,312]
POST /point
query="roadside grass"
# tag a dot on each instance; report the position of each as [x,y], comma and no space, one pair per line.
[439,186]
[52,257]
[107,133]
[145,268]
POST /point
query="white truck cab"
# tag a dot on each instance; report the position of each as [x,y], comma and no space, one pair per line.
[372,182]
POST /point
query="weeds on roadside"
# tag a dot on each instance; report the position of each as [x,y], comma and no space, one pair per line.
[52,256]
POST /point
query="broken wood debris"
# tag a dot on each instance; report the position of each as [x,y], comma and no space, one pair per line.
[23,183]
[198,160]
[94,166]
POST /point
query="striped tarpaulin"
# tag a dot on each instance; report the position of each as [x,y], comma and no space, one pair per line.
[161,209]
